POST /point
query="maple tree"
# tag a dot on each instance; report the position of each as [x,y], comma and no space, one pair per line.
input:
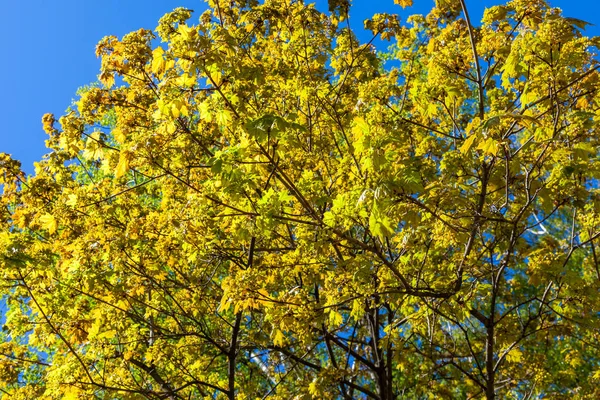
[260,205]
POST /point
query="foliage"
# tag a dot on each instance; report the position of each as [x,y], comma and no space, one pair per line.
[257,207]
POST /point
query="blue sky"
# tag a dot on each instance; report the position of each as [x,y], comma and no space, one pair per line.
[48,51]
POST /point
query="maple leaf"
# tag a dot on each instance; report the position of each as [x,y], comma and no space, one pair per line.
[404,3]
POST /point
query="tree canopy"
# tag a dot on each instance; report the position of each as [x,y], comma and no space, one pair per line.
[256,204]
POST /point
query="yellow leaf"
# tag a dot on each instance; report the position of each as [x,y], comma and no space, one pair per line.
[264,298]
[49,223]
[404,3]
[360,127]
[72,200]
[184,110]
[223,117]
[171,127]
[335,318]
[119,135]
[158,61]
[107,78]
[72,393]
[122,304]
[489,146]
[313,388]
[213,74]
[108,334]
[186,31]
[140,290]
[576,362]
[278,338]
[468,143]
[160,276]
[186,80]
[515,355]
[495,13]
[123,165]
[510,68]
[431,110]
[205,112]
[225,304]
[175,110]
[94,329]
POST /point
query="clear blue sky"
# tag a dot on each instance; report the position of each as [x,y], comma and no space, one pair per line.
[48,51]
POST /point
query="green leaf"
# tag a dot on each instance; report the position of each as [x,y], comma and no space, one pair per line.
[379,223]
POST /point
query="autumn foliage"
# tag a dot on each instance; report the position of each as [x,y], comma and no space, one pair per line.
[256,204]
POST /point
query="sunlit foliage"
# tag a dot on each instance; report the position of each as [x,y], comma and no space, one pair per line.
[256,204]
